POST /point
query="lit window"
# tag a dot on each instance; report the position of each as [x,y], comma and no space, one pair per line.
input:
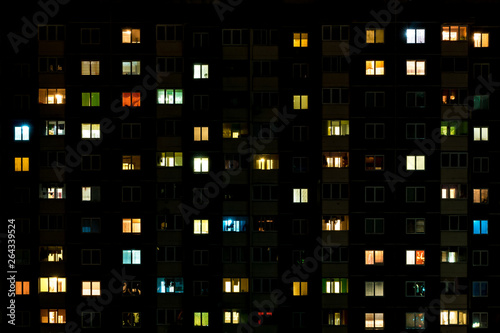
[415,320]
[200,164]
[91,193]
[234,224]
[91,131]
[131,67]
[415,67]
[415,257]
[266,162]
[22,288]
[335,223]
[415,226]
[91,99]
[453,317]
[169,159]
[170,285]
[200,227]
[480,133]
[375,36]
[335,160]
[454,127]
[131,162]
[415,288]
[480,195]
[454,33]
[454,254]
[51,253]
[335,286]
[481,39]
[231,317]
[201,319]
[131,226]
[131,99]
[480,227]
[235,285]
[415,36]
[479,289]
[52,96]
[21,133]
[131,257]
[374,288]
[53,316]
[415,162]
[337,127]
[55,127]
[234,130]
[374,321]
[52,192]
[131,288]
[21,164]
[453,96]
[299,288]
[200,133]
[374,162]
[479,319]
[300,195]
[374,257]
[131,36]
[90,67]
[481,102]
[300,39]
[91,288]
[300,102]
[169,96]
[374,226]
[200,71]
[131,319]
[52,285]
[334,317]
[374,67]
[264,223]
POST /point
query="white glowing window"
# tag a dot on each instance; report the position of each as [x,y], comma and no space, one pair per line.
[21,133]
[200,227]
[200,71]
[374,288]
[235,285]
[480,133]
[91,288]
[415,36]
[200,164]
[415,162]
[300,195]
[131,67]
[91,131]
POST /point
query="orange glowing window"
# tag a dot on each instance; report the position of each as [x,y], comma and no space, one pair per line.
[131,99]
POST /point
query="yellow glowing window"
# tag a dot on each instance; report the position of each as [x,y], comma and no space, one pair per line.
[201,134]
[22,287]
[453,317]
[300,102]
[300,39]
[300,288]
[481,39]
[235,285]
[53,316]
[231,317]
[300,195]
[375,36]
[21,164]
[374,321]
[266,162]
[90,67]
[200,227]
[480,195]
[374,257]
[415,67]
[52,285]
[91,131]
[131,36]
[169,159]
[374,67]
[454,33]
[131,226]
[52,96]
[201,319]
[131,162]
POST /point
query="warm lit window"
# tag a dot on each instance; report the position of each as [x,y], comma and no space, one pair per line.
[453,317]
[335,160]
[374,288]
[131,36]
[415,162]
[231,317]
[53,316]
[200,164]
[200,227]
[264,223]
[200,318]
[454,127]
[335,223]
[51,253]
[300,39]
[200,133]
[91,288]
[415,257]
[52,192]
[480,133]
[300,102]
[454,33]
[91,193]
[131,319]
[90,67]
[480,195]
[266,161]
[374,162]
[374,321]
[131,226]
[479,319]
[415,288]
[200,71]
[54,127]
[235,285]
[415,36]
[336,127]
[91,131]
[169,159]
[169,96]
[22,288]
[480,227]
[299,288]
[415,67]
[52,285]
[131,257]
[52,96]
[454,96]
[91,99]
[21,164]
[374,257]
[481,39]
[132,288]
[375,36]
[334,317]
[170,285]
[21,133]
[335,286]
[300,195]
[374,67]
[374,225]
[51,65]
[415,320]
[234,224]
[131,99]
[234,130]
[454,254]
[131,162]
